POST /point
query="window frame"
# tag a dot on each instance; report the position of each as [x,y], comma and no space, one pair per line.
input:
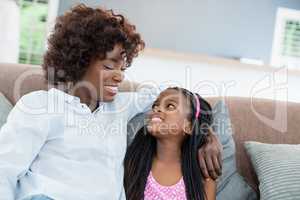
[277,59]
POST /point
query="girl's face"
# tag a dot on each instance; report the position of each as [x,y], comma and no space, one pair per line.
[169,116]
[106,75]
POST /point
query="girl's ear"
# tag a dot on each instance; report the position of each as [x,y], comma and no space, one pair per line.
[187,127]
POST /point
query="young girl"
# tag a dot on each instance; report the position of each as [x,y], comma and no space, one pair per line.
[161,163]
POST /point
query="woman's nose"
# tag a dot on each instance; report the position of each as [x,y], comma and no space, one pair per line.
[118,76]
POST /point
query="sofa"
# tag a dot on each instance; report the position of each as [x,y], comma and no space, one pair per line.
[245,113]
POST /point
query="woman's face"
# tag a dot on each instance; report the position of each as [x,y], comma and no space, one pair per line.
[169,116]
[104,76]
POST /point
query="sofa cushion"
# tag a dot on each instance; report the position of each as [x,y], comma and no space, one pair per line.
[5,107]
[278,169]
[230,184]
[256,120]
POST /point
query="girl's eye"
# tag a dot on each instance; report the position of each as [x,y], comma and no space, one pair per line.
[154,106]
[124,69]
[171,106]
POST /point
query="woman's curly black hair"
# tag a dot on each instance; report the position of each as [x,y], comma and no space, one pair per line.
[83,34]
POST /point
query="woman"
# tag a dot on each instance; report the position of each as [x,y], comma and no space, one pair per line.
[69,142]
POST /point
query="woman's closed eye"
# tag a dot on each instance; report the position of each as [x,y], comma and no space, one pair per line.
[123,69]
[109,67]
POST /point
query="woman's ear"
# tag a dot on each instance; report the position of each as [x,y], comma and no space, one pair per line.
[187,127]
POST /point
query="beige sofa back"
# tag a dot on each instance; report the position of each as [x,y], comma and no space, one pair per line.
[264,121]
[17,80]
[252,119]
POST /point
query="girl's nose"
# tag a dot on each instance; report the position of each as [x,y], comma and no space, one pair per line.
[156,109]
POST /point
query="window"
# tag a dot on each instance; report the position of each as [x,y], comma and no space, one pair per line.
[286,43]
[33,22]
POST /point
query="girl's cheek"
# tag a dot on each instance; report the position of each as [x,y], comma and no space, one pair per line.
[149,128]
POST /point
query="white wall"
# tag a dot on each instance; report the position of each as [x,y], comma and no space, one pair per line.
[218,77]
[228,28]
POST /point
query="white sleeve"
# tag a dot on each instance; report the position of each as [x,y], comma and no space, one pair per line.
[21,139]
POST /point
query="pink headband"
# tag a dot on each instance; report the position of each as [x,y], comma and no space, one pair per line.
[197,107]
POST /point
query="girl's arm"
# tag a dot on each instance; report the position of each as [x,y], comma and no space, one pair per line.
[210,189]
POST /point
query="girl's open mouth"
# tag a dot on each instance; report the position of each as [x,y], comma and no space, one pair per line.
[156,119]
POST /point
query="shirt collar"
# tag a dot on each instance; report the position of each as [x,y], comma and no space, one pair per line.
[73,100]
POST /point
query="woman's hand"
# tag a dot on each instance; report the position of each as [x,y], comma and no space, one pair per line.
[210,157]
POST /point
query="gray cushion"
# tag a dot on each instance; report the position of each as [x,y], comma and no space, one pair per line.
[5,107]
[278,169]
[230,185]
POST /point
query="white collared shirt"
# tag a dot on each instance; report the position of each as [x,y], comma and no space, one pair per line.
[54,145]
